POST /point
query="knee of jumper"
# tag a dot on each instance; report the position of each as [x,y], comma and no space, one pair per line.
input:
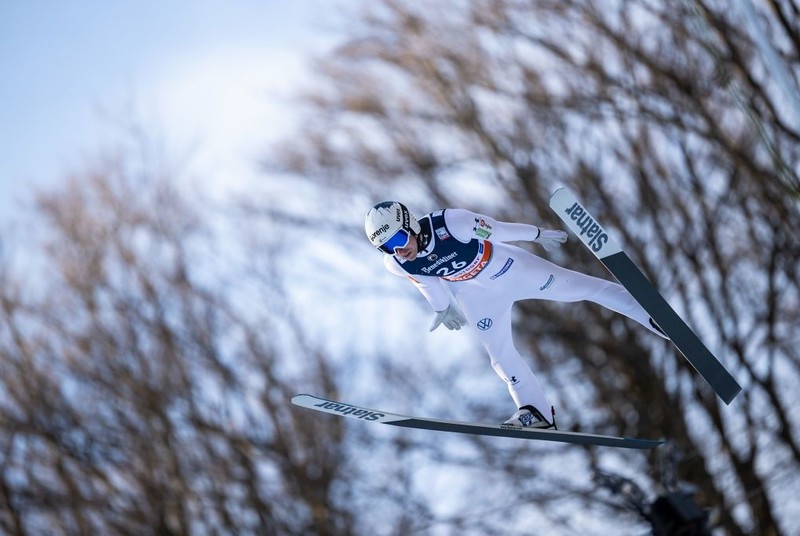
[504,355]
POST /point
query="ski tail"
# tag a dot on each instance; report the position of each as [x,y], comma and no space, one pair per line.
[595,237]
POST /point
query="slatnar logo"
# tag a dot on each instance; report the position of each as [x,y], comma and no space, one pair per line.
[596,236]
[352,411]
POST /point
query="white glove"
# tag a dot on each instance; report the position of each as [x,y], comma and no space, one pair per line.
[551,240]
[452,318]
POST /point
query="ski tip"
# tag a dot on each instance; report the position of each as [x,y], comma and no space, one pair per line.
[558,192]
[300,398]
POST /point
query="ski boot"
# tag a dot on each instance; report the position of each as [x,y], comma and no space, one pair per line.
[528,417]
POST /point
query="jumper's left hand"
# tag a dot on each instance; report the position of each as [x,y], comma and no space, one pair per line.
[551,240]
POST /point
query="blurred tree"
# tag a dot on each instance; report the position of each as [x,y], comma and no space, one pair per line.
[664,120]
[148,358]
[149,347]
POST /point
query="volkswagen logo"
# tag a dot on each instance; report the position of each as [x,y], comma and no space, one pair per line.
[484,324]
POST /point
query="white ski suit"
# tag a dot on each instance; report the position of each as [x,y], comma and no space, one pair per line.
[467,253]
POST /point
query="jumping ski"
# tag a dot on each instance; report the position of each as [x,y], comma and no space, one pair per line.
[592,234]
[370,415]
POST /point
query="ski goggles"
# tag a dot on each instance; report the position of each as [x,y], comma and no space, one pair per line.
[397,240]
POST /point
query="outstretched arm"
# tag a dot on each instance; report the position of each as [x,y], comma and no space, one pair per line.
[466,225]
[431,288]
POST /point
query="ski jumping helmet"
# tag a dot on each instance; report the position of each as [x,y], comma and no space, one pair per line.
[390,225]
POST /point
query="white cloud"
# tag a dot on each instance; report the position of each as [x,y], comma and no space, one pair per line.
[228,103]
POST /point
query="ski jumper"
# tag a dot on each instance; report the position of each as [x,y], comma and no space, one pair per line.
[467,254]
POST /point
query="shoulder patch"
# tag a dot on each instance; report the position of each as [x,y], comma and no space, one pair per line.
[482,229]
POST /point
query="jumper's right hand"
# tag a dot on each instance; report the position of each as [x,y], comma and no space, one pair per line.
[452,318]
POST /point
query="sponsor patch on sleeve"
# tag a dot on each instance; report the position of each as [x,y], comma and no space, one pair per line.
[482,229]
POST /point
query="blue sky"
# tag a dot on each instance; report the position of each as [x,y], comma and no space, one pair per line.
[210,74]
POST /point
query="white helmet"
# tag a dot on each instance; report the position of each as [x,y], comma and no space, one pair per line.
[390,225]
